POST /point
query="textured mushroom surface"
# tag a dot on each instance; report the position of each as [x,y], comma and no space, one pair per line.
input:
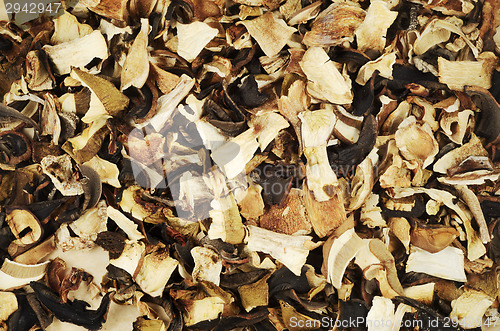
[250,165]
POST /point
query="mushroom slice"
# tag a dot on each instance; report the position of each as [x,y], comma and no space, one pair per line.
[468,310]
[252,205]
[335,25]
[136,67]
[446,264]
[416,141]
[109,96]
[453,158]
[124,223]
[15,275]
[155,272]
[433,239]
[292,251]
[371,34]
[381,313]
[37,75]
[226,220]
[478,177]
[49,118]
[363,181]
[340,252]
[288,217]
[371,213]
[25,227]
[316,210]
[324,79]
[60,171]
[270,33]
[197,311]
[107,171]
[458,74]
[8,305]
[193,37]
[347,126]
[67,28]
[423,293]
[91,223]
[475,248]
[433,34]
[377,262]
[77,53]
[400,227]
[167,104]
[472,202]
[455,124]
[233,156]
[207,265]
[131,258]
[267,125]
[256,294]
[383,65]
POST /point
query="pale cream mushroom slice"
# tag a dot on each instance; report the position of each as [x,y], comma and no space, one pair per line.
[339,254]
[371,34]
[378,263]
[271,33]
[455,124]
[16,275]
[446,264]
[131,258]
[156,269]
[67,28]
[60,171]
[193,37]
[77,53]
[292,251]
[26,228]
[108,172]
[325,82]
[207,265]
[8,305]
[416,141]
[135,70]
[458,74]
[456,156]
[468,310]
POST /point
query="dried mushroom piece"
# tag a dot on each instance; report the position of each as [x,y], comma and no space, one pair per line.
[77,52]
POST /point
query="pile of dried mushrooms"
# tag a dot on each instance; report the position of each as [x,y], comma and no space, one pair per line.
[251,165]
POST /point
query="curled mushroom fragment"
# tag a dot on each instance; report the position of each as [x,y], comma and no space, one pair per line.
[377,262]
[458,155]
[155,272]
[338,253]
